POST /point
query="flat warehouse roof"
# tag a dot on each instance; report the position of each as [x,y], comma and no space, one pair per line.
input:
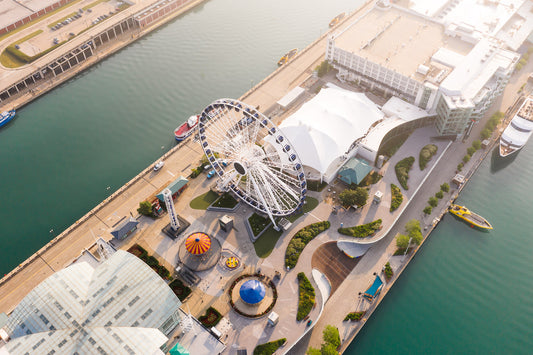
[397,40]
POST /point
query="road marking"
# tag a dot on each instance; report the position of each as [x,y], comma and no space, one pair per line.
[170,173]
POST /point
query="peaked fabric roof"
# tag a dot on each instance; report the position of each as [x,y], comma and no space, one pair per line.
[124,228]
[325,127]
[354,171]
[114,308]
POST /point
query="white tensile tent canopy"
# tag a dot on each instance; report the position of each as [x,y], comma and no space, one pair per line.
[325,127]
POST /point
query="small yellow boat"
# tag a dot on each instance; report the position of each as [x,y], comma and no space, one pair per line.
[287,56]
[337,19]
[470,217]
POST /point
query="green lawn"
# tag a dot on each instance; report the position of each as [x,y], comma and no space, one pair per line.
[308,207]
[266,242]
[93,4]
[203,201]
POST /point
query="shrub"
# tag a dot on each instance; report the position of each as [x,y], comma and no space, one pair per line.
[396,197]
[180,289]
[300,240]
[471,150]
[354,316]
[476,144]
[306,298]
[427,210]
[445,187]
[357,196]
[466,158]
[433,202]
[402,171]
[152,261]
[439,194]
[269,348]
[518,66]
[426,154]
[460,166]
[387,270]
[363,230]
[210,318]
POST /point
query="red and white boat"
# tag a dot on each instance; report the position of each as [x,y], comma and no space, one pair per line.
[187,128]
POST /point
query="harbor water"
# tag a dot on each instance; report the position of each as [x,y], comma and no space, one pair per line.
[465,291]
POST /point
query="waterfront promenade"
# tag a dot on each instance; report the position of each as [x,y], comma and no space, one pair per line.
[99,221]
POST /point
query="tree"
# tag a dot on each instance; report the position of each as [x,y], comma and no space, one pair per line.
[471,150]
[485,133]
[439,194]
[328,349]
[433,202]
[412,225]
[402,241]
[460,166]
[313,351]
[330,335]
[445,187]
[466,158]
[354,197]
[427,210]
[476,144]
[145,208]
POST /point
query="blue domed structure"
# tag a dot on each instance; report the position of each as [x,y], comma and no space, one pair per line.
[252,291]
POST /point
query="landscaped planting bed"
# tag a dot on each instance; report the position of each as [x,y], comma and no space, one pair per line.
[300,240]
[306,299]
[363,230]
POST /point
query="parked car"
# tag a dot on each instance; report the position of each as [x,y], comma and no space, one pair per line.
[211,174]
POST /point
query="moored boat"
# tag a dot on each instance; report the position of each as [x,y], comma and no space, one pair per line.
[517,133]
[159,165]
[6,116]
[470,217]
[337,19]
[287,56]
[186,128]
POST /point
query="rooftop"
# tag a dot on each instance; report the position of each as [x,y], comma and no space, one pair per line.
[94,310]
[398,40]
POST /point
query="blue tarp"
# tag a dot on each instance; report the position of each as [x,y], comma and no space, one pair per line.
[374,289]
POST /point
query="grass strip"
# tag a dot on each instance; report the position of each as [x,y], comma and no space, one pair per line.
[62,19]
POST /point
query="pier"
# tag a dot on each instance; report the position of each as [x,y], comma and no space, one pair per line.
[68,245]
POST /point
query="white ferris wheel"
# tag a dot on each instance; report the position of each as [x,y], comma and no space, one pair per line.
[252,157]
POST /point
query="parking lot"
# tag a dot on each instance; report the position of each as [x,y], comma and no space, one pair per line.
[61,27]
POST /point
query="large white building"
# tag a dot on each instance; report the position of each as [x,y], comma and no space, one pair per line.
[121,306]
[399,52]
